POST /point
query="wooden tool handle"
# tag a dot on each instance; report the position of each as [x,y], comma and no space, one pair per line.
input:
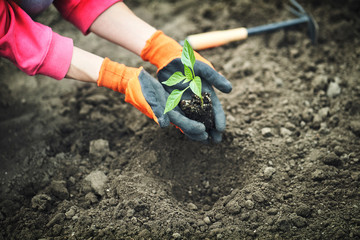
[216,38]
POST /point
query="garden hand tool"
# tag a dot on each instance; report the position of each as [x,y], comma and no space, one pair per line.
[217,38]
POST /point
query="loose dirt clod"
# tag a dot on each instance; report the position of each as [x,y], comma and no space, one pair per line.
[97,181]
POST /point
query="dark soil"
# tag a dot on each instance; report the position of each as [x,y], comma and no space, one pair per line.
[201,112]
[77,162]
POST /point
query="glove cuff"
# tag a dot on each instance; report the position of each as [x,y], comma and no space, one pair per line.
[160,50]
[116,76]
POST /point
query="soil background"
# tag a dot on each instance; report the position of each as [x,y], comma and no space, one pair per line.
[77,162]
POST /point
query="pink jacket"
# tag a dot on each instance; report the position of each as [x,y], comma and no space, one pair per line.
[35,48]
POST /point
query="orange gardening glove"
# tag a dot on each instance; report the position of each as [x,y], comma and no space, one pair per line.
[140,89]
[165,53]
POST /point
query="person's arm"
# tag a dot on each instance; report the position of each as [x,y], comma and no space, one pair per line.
[110,19]
[118,24]
[123,27]
[84,66]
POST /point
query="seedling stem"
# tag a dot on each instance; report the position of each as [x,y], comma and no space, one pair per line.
[188,60]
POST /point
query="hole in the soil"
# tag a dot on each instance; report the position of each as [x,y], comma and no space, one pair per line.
[201,178]
[204,181]
[203,194]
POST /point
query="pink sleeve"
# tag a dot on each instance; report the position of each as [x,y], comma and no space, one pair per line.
[82,13]
[31,46]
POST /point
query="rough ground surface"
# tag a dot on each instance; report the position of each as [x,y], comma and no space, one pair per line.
[79,163]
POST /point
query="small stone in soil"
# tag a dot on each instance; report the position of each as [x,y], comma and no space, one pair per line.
[332,159]
[207,220]
[192,206]
[40,201]
[249,204]
[91,198]
[59,190]
[266,132]
[99,148]
[303,210]
[284,132]
[176,235]
[268,172]
[318,175]
[355,127]
[333,90]
[97,181]
[70,213]
[233,207]
[298,221]
[272,211]
[58,218]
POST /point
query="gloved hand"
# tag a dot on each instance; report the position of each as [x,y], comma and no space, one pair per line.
[140,89]
[165,53]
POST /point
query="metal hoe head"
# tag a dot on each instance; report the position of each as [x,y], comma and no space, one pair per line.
[299,11]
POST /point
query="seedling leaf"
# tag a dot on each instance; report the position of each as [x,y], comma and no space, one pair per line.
[195,86]
[187,56]
[187,80]
[173,99]
[188,73]
[174,79]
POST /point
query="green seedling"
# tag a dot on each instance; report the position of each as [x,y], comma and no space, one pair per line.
[188,60]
